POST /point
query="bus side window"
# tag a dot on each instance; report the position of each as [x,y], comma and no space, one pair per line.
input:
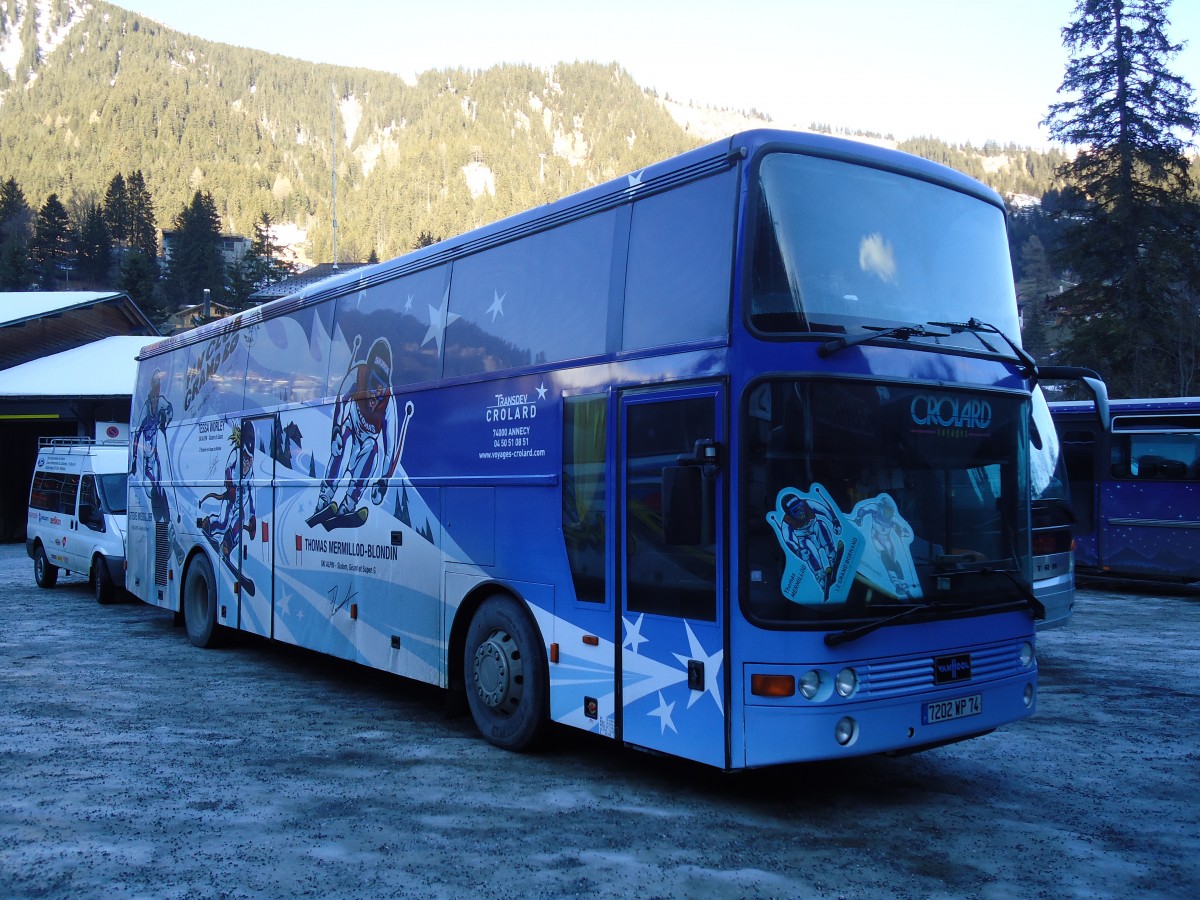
[677,283]
[1122,465]
[1162,457]
[584,521]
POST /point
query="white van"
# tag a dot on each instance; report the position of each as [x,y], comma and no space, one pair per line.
[77,512]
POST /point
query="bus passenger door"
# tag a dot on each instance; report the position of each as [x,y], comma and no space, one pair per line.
[256,507]
[672,640]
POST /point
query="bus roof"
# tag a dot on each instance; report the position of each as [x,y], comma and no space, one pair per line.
[654,178]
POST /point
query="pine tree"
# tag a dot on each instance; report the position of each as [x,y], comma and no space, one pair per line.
[116,210]
[51,247]
[15,218]
[15,214]
[142,229]
[195,260]
[263,264]
[93,248]
[1134,248]
[138,277]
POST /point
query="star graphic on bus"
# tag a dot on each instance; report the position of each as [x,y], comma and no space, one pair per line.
[633,634]
[497,307]
[541,391]
[712,666]
[663,714]
[439,320]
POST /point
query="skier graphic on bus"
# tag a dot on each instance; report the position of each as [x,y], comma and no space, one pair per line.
[366,443]
[821,548]
[237,514]
[887,562]
[156,415]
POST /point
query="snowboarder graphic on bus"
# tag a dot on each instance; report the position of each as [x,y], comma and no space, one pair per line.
[890,536]
[366,443]
[809,528]
[156,415]
[237,513]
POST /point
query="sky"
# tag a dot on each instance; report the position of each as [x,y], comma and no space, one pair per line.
[959,70]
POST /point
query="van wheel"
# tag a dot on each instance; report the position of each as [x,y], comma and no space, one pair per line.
[102,582]
[45,573]
[200,604]
[504,667]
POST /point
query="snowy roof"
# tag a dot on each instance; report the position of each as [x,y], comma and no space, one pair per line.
[16,306]
[104,368]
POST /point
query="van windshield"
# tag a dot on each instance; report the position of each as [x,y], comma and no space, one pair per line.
[112,492]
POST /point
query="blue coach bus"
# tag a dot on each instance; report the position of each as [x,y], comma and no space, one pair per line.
[1053,512]
[727,459]
[1135,486]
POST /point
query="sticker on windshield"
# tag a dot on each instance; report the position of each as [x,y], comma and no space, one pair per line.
[822,547]
[887,563]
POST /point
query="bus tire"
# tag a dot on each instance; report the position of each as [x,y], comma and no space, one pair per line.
[102,582]
[45,573]
[200,603]
[504,669]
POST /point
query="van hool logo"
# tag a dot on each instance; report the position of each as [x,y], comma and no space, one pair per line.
[952,668]
[951,412]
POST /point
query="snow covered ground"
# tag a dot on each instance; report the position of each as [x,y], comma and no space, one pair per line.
[132,764]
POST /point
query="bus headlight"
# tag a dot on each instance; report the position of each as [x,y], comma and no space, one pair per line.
[1028,698]
[810,684]
[1027,654]
[845,732]
[846,682]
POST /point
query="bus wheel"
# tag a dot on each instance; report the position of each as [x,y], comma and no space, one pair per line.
[504,666]
[45,573]
[102,582]
[200,604]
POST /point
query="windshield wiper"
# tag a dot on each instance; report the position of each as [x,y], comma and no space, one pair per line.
[835,638]
[979,329]
[902,332]
[1039,610]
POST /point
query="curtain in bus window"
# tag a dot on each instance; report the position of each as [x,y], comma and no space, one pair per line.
[403,317]
[583,496]
[532,301]
[680,254]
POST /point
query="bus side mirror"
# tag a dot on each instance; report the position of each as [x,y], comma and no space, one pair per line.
[682,505]
[1090,379]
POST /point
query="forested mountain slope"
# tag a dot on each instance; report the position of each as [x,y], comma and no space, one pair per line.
[90,90]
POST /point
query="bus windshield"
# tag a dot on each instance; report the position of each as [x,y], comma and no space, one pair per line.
[840,247]
[863,498]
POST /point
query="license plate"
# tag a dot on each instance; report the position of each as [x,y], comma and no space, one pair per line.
[958,708]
